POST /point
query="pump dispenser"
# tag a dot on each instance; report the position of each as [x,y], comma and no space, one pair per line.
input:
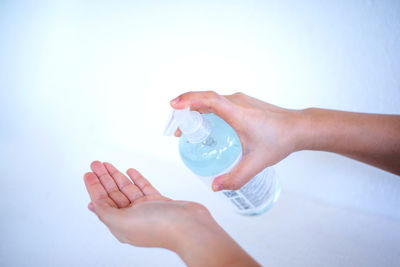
[191,123]
[210,147]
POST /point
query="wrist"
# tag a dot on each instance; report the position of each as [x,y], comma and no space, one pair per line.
[209,245]
[313,129]
[194,236]
[302,129]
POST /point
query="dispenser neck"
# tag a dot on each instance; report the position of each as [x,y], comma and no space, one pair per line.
[192,124]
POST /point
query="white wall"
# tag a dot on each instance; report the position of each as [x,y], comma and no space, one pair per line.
[86,80]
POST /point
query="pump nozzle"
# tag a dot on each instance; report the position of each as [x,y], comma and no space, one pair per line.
[195,128]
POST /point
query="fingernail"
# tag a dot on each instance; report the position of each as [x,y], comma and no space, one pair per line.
[91,207]
[175,100]
[216,187]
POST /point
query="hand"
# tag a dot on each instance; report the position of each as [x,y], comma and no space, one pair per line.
[268,133]
[137,214]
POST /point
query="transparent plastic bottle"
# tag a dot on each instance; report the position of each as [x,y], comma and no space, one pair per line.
[210,147]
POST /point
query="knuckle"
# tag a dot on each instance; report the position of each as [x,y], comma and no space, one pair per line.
[197,207]
[113,191]
[232,184]
[210,94]
[239,95]
[137,194]
[145,186]
[212,97]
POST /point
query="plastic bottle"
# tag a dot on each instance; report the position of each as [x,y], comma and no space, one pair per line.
[210,147]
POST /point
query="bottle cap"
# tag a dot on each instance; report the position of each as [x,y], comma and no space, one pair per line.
[193,126]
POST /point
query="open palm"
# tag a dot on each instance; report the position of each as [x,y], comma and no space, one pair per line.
[133,210]
[109,185]
[137,214]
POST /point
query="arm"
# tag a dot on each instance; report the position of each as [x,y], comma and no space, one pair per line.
[371,138]
[137,214]
[269,133]
[211,246]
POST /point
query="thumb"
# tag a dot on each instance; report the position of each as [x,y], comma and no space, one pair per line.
[104,211]
[206,102]
[239,176]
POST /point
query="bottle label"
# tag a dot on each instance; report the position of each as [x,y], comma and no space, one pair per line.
[256,193]
[259,192]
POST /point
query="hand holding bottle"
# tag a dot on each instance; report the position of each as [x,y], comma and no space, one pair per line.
[267,133]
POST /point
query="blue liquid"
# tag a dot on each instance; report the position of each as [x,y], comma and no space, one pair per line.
[214,155]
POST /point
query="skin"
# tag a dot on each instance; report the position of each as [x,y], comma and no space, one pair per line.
[269,133]
[137,214]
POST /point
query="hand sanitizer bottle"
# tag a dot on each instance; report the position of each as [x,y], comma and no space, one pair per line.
[210,147]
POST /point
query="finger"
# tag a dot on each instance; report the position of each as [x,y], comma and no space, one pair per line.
[142,182]
[130,190]
[106,213]
[178,133]
[239,176]
[109,184]
[206,102]
[96,190]
[152,198]
[91,207]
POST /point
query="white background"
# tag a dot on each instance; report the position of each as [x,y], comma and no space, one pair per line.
[88,80]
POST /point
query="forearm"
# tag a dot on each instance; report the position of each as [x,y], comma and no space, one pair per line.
[370,138]
[211,246]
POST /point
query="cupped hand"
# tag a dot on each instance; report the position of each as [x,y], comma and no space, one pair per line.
[268,133]
[135,212]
